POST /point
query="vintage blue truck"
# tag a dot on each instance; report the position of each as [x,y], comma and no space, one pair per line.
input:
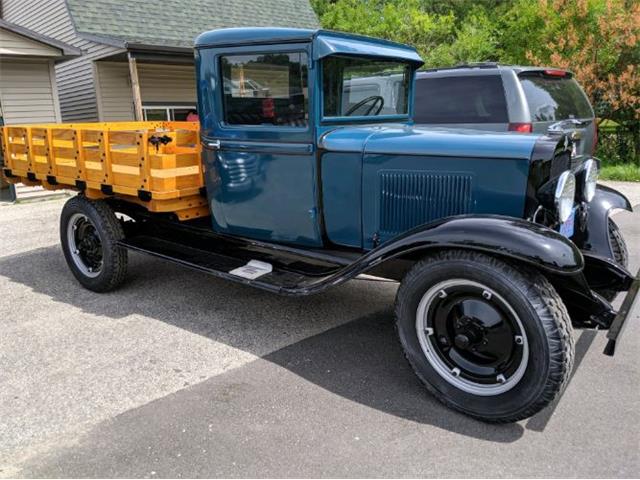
[502,243]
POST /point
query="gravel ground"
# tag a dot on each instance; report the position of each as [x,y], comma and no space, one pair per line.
[181,374]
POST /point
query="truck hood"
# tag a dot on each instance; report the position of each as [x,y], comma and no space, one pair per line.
[432,141]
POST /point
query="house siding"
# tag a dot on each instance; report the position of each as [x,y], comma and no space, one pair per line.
[27,93]
[115,98]
[75,78]
[167,84]
[14,44]
[159,84]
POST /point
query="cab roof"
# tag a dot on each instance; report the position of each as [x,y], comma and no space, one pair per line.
[325,42]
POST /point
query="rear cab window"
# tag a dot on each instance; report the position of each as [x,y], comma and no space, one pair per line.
[460,99]
[554,98]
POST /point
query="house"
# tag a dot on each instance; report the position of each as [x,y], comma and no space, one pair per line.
[137,60]
[28,92]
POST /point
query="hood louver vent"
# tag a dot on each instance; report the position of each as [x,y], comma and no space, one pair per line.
[409,199]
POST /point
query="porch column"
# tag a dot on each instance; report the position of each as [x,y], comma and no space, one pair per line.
[135,87]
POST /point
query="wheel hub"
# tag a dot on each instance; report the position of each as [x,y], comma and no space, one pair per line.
[468,333]
[85,245]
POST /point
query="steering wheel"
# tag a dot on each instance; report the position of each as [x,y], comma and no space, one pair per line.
[376,102]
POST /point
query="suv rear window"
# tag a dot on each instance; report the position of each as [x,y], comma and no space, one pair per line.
[465,99]
[554,98]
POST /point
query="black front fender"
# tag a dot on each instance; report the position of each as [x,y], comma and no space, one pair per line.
[595,237]
[555,256]
[509,237]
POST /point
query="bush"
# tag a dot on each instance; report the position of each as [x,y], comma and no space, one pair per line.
[622,172]
[617,146]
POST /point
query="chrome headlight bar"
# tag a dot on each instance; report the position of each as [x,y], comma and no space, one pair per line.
[559,195]
[586,178]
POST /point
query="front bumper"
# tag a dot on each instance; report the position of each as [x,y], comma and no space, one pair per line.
[620,320]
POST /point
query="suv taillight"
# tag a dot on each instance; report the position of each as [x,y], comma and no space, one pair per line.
[521,127]
[556,73]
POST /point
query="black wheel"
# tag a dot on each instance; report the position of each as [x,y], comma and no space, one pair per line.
[486,338]
[89,232]
[620,255]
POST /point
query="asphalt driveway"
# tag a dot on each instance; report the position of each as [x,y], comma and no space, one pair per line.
[183,375]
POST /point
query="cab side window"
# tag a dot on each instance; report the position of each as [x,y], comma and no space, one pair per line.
[266,89]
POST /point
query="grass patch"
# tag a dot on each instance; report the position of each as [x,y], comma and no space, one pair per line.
[625,172]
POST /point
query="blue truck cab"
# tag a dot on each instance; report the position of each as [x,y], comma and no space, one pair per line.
[316,167]
[315,174]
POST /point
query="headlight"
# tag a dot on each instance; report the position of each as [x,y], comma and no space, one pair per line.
[564,195]
[589,177]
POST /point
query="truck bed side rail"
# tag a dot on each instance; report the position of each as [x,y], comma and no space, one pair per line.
[154,164]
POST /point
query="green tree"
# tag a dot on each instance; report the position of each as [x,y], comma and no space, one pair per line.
[475,40]
[438,37]
[401,21]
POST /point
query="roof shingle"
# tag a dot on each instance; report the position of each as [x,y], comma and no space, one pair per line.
[176,23]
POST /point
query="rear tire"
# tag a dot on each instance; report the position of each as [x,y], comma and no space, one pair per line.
[620,255]
[89,233]
[486,338]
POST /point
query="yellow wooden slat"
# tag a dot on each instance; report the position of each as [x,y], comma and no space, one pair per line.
[116,154]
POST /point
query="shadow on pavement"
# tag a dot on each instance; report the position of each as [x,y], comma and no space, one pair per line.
[363,362]
[540,421]
[363,356]
[269,422]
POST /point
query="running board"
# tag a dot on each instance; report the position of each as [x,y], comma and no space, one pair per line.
[257,271]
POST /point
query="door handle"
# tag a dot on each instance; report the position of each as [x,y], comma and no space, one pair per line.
[212,144]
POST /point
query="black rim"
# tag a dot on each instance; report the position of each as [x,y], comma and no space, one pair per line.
[475,334]
[88,244]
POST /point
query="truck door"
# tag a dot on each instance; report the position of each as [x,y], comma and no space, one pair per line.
[258,147]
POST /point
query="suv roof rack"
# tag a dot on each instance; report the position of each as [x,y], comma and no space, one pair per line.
[465,65]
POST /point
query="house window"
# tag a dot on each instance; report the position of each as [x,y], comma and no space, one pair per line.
[177,113]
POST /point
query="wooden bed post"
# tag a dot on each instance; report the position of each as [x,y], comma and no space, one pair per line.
[135,87]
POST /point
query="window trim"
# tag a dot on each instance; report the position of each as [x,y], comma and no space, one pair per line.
[167,108]
[224,125]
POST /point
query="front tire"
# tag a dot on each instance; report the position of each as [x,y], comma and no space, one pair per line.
[486,338]
[89,233]
[620,255]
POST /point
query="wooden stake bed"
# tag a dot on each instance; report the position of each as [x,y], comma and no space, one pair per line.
[154,164]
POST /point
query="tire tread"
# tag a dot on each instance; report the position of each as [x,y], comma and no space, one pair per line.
[620,255]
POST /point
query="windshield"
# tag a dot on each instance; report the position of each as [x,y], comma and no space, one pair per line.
[357,86]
